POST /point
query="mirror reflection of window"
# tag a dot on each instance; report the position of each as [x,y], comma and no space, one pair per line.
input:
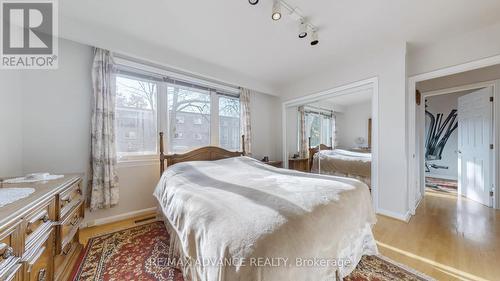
[319,127]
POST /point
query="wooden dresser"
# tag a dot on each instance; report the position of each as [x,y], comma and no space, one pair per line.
[39,233]
[299,164]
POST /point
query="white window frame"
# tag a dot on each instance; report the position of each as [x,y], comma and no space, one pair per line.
[139,157]
[162,106]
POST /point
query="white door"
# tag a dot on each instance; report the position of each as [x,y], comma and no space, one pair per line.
[475,113]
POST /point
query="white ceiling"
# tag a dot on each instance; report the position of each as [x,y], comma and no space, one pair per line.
[237,36]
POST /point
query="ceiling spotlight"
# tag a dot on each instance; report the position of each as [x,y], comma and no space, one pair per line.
[276,10]
[314,39]
[253,2]
[302,29]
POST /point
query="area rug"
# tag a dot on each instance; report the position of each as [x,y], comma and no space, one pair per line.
[132,254]
[441,185]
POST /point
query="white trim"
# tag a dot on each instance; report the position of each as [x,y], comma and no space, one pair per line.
[406,217]
[371,83]
[421,132]
[120,217]
[412,81]
[152,161]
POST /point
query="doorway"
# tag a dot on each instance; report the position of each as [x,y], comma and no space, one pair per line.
[477,74]
[456,142]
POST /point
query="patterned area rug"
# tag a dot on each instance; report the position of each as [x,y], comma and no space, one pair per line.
[133,254]
[441,185]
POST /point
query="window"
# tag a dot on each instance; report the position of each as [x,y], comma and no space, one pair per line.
[319,128]
[179,119]
[136,120]
[229,123]
[191,114]
[188,104]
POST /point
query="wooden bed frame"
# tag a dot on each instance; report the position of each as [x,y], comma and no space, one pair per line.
[206,153]
[314,150]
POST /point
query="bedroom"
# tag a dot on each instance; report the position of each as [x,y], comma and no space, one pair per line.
[219,51]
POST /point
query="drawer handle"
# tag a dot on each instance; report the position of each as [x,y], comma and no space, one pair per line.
[75,221]
[42,275]
[44,218]
[8,252]
[66,251]
[79,191]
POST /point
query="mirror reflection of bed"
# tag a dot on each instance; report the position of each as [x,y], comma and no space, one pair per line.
[333,136]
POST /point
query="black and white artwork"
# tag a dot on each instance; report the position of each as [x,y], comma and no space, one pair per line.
[439,131]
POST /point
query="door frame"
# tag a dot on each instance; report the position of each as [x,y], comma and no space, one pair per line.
[414,194]
[372,83]
[421,128]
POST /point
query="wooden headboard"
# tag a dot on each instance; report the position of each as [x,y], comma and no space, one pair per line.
[314,150]
[206,153]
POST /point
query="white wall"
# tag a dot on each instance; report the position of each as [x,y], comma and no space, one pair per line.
[50,130]
[353,123]
[266,126]
[389,65]
[11,137]
[459,49]
[99,36]
[292,130]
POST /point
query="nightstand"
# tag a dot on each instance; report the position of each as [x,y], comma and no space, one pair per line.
[274,163]
[299,164]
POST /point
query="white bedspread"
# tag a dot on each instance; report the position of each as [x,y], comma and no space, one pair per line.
[344,163]
[267,221]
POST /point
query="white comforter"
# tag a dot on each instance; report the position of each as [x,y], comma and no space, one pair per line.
[269,223]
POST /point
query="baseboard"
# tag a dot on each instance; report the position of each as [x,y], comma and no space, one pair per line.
[402,217]
[418,203]
[121,217]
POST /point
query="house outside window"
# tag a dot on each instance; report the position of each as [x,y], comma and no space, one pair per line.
[190,114]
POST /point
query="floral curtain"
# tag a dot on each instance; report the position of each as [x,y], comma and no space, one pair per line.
[246,127]
[334,131]
[303,142]
[103,180]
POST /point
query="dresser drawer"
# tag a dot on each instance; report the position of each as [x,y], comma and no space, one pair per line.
[66,260]
[68,199]
[10,251]
[38,222]
[12,273]
[67,229]
[39,262]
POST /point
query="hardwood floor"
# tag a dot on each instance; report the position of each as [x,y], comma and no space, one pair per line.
[449,238]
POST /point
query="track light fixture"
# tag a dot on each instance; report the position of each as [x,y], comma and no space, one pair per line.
[314,38]
[276,15]
[302,29]
[295,14]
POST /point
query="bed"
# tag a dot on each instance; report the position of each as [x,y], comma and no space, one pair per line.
[231,217]
[341,162]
